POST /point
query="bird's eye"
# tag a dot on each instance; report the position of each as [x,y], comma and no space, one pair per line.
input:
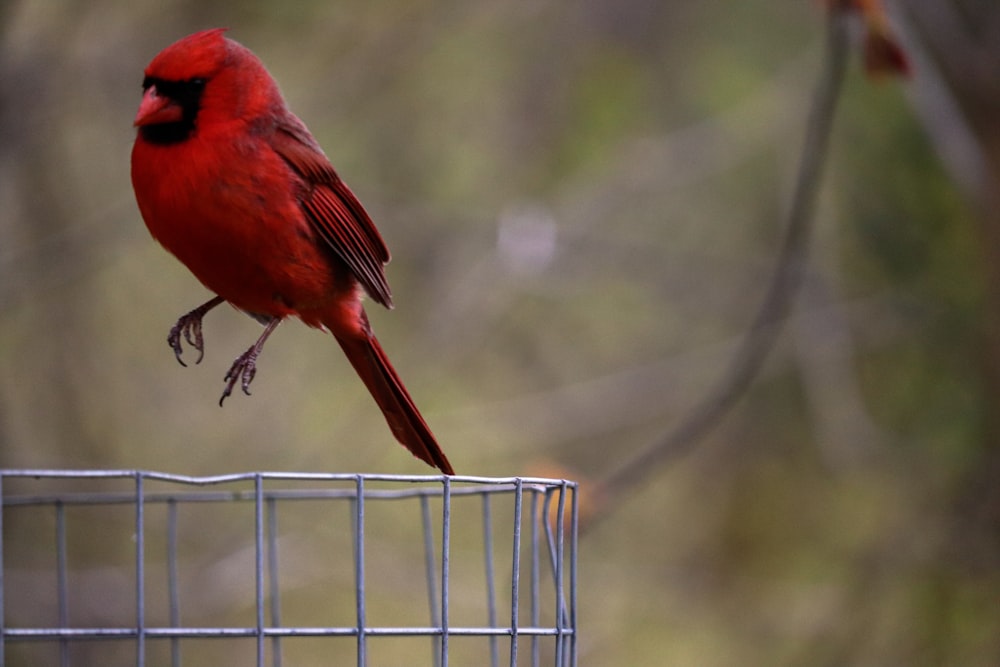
[198,82]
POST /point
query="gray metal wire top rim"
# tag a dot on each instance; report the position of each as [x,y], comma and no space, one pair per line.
[284,476]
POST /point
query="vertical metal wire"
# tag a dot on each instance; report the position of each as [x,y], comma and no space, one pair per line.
[491,595]
[274,588]
[3,611]
[359,567]
[558,574]
[574,540]
[173,586]
[535,579]
[445,565]
[554,544]
[140,570]
[258,504]
[431,575]
[515,575]
[62,588]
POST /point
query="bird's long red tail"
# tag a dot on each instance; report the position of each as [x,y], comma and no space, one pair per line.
[410,429]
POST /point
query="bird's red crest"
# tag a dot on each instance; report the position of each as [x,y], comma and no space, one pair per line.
[198,55]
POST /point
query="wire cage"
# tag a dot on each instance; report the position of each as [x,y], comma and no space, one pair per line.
[127,567]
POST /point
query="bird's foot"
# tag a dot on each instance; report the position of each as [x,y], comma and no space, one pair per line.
[243,371]
[188,328]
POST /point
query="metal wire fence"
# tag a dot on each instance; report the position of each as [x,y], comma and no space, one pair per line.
[126,567]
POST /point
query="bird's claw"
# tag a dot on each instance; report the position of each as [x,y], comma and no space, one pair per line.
[243,371]
[188,327]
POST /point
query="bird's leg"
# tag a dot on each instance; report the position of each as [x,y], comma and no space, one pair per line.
[245,366]
[189,327]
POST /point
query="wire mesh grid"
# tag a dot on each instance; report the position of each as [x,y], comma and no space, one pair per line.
[144,568]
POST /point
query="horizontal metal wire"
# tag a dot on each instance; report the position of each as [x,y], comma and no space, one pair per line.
[40,473]
[206,633]
[128,498]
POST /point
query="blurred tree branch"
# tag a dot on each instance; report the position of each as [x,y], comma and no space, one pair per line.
[962,41]
[787,276]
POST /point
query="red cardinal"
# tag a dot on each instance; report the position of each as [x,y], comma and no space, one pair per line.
[235,186]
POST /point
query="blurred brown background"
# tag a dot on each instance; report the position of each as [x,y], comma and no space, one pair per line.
[584,201]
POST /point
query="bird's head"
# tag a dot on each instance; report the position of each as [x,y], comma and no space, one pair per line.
[202,76]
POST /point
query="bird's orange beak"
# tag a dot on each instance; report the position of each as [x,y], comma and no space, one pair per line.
[156,109]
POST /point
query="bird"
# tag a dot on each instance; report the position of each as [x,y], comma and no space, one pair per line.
[233,184]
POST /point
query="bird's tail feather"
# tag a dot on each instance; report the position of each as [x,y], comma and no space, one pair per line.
[372,365]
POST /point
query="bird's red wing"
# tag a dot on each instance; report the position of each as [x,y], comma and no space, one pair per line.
[334,211]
